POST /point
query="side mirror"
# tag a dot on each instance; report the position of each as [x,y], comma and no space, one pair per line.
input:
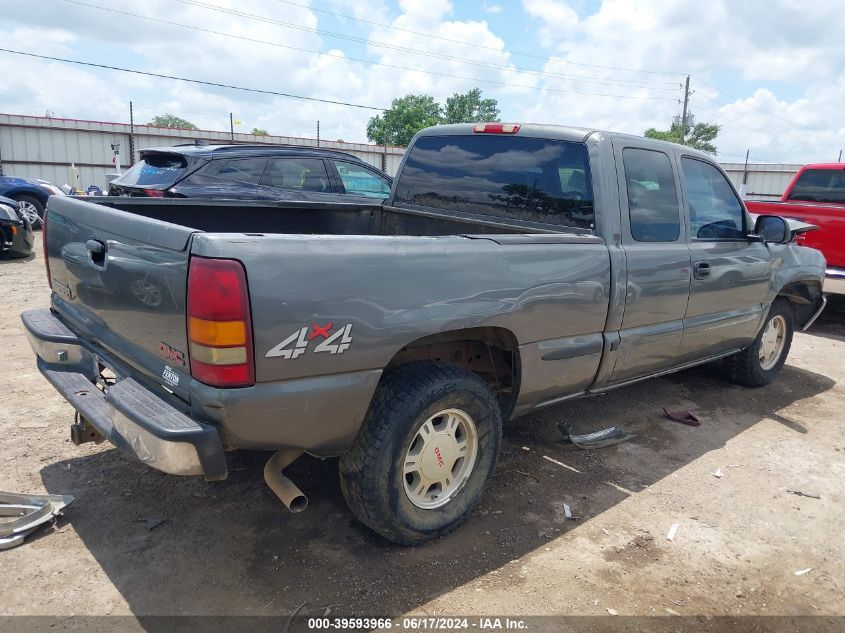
[772,229]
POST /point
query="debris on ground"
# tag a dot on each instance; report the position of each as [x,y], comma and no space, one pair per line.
[612,611]
[546,533]
[801,572]
[671,611]
[559,463]
[21,515]
[600,439]
[683,417]
[718,474]
[151,523]
[670,535]
[803,494]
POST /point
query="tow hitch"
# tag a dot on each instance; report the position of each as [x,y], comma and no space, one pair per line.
[81,431]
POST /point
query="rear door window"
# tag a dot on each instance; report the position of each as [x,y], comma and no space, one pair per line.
[714,210]
[155,170]
[652,196]
[538,180]
[240,170]
[361,181]
[820,185]
[299,174]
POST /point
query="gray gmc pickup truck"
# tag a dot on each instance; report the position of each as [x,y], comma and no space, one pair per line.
[512,267]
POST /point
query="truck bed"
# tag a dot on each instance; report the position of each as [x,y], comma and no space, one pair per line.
[311,218]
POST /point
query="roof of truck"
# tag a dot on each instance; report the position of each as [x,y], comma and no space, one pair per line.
[824,166]
[557,132]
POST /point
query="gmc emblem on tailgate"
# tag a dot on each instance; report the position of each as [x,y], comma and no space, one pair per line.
[171,353]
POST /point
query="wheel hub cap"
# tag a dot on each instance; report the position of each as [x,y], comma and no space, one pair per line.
[771,342]
[440,458]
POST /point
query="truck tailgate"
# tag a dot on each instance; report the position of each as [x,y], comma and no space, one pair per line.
[121,279]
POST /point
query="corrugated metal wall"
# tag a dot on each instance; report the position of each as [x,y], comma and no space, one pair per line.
[763,181]
[40,147]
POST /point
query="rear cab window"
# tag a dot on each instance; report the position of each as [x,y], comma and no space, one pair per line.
[819,185]
[154,170]
[531,179]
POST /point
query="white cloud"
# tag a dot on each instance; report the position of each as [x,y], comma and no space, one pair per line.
[795,48]
[785,61]
[492,8]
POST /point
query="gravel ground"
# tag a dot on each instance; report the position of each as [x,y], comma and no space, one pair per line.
[231,548]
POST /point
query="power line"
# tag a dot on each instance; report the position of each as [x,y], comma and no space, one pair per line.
[768,115]
[622,83]
[344,57]
[192,81]
[764,125]
[491,48]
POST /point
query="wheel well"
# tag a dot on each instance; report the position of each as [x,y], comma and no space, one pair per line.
[803,296]
[490,352]
[27,192]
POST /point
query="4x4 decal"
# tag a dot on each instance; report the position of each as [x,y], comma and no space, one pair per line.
[297,343]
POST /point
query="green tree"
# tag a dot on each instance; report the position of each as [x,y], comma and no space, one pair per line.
[470,108]
[171,120]
[407,116]
[699,136]
[257,131]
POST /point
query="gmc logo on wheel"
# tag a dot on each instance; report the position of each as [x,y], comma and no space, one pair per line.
[439,456]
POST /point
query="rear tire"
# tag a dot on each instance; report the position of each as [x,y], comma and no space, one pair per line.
[425,452]
[32,209]
[761,362]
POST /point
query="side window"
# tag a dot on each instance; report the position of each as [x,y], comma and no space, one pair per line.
[242,170]
[714,210]
[300,174]
[652,196]
[361,181]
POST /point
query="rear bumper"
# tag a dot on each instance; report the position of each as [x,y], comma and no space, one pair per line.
[129,415]
[834,281]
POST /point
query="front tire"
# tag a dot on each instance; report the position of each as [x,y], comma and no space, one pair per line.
[761,362]
[425,452]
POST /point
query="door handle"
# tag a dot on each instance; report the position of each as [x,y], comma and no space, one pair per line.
[96,252]
[701,270]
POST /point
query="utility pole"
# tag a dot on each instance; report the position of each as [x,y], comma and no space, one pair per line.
[684,115]
[838,160]
[318,134]
[231,128]
[131,136]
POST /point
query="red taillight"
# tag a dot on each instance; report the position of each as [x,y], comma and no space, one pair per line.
[44,248]
[154,193]
[219,326]
[496,128]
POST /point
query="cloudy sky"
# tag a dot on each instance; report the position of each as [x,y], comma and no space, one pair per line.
[771,72]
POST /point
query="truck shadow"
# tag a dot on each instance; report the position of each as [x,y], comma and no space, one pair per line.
[232,548]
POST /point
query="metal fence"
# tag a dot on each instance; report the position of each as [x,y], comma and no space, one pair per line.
[46,147]
[762,181]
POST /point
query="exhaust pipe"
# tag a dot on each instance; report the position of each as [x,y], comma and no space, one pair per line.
[287,491]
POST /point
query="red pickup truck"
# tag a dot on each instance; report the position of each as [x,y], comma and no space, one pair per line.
[816,195]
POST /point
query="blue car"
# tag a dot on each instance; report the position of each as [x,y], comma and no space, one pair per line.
[31,196]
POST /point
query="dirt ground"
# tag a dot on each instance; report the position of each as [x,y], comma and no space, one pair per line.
[231,547]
